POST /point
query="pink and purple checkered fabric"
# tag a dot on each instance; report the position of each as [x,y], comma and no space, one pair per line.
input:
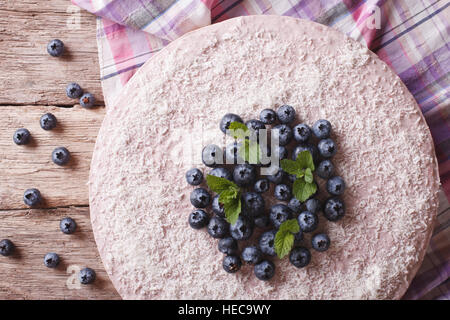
[412,38]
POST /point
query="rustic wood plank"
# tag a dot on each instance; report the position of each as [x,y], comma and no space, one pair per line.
[31,76]
[30,166]
[35,232]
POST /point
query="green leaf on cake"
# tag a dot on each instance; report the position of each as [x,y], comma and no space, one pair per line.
[232,210]
[284,238]
[238,130]
[229,196]
[303,190]
[308,175]
[218,184]
[250,151]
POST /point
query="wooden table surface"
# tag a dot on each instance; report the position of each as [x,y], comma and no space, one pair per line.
[33,83]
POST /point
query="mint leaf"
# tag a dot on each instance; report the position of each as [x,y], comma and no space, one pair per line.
[303,190]
[218,184]
[228,195]
[292,167]
[305,160]
[232,210]
[308,175]
[238,130]
[284,238]
[290,225]
[250,151]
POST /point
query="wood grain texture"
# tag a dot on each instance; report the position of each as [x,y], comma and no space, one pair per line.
[29,74]
[30,166]
[36,232]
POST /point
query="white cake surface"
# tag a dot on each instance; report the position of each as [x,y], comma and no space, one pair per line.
[139,198]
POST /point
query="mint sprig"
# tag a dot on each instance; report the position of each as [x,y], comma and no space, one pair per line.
[303,167]
[238,130]
[229,196]
[284,238]
[250,150]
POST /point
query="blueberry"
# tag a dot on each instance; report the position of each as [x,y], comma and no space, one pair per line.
[322,129]
[232,154]
[327,148]
[298,237]
[231,264]
[282,192]
[32,197]
[87,100]
[227,120]
[279,213]
[60,156]
[291,178]
[300,257]
[212,155]
[242,229]
[262,185]
[55,48]
[217,207]
[221,173]
[305,147]
[295,205]
[251,255]
[51,260]
[284,133]
[74,91]
[200,198]
[268,116]
[282,152]
[336,186]
[21,136]
[278,177]
[313,205]
[254,126]
[198,219]
[6,247]
[267,242]
[334,209]
[264,270]
[253,204]
[244,175]
[325,169]
[262,221]
[218,227]
[194,177]
[320,242]
[308,221]
[86,276]
[228,246]
[302,132]
[286,114]
[67,225]
[48,121]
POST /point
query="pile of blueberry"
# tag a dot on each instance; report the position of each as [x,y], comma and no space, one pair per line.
[293,139]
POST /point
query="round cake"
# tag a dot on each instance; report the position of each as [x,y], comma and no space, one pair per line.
[171,109]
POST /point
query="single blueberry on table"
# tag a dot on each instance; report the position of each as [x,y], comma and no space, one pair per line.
[286,114]
[227,120]
[268,116]
[305,147]
[55,48]
[283,192]
[284,133]
[200,198]
[253,204]
[217,207]
[267,242]
[313,205]
[262,221]
[334,209]
[244,175]
[21,136]
[32,197]
[198,219]
[322,129]
[278,177]
[279,213]
[60,156]
[86,276]
[228,246]
[327,148]
[302,132]
[87,100]
[67,225]
[231,263]
[194,177]
[336,186]
[242,229]
[221,173]
[73,90]
[295,205]
[308,221]
[218,227]
[264,270]
[212,155]
[6,247]
[262,185]
[48,121]
[51,260]
[300,257]
[325,169]
[251,255]
[320,242]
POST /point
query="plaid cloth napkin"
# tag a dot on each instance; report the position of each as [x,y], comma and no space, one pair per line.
[412,37]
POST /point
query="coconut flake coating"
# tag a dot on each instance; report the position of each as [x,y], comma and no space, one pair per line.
[139,198]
